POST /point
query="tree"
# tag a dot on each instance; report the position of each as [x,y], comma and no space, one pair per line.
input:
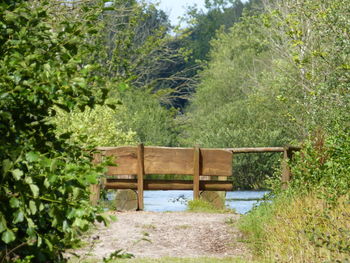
[44,179]
[274,78]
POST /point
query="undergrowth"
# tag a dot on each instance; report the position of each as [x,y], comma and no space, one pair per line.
[202,206]
[309,221]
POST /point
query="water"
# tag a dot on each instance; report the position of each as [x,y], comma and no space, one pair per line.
[161,201]
[243,206]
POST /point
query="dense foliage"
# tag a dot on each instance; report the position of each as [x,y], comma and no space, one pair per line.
[89,130]
[275,77]
[44,180]
[309,78]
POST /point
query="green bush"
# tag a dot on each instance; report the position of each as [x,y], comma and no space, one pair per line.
[95,127]
[323,166]
[44,180]
[309,220]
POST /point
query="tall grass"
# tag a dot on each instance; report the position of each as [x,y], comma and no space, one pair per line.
[310,221]
[302,229]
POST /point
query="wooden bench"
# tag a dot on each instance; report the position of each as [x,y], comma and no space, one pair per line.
[140,161]
[205,162]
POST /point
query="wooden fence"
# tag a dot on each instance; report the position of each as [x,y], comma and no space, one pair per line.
[140,161]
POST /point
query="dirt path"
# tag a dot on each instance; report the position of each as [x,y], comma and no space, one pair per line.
[170,234]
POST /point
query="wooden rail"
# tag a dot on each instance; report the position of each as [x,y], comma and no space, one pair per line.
[195,161]
[168,185]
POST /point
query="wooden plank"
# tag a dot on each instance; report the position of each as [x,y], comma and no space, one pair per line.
[140,175]
[125,158]
[196,171]
[169,185]
[216,162]
[167,160]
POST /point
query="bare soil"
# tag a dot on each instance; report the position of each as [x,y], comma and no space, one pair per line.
[168,234]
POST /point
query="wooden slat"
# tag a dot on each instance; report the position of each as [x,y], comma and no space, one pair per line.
[196,172]
[166,160]
[169,185]
[125,158]
[140,175]
[216,162]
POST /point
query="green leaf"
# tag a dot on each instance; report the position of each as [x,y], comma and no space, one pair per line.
[53,165]
[17,174]
[39,242]
[3,224]
[18,217]
[14,202]
[30,223]
[91,178]
[65,225]
[81,223]
[41,207]
[28,180]
[46,183]
[32,157]
[8,236]
[32,207]
[49,244]
[6,165]
[31,232]
[35,190]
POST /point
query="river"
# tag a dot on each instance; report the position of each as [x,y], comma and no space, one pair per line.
[171,201]
[161,201]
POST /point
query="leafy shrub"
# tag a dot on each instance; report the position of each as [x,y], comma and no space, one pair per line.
[44,180]
[310,220]
[95,127]
[323,166]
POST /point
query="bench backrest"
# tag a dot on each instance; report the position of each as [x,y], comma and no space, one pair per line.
[169,160]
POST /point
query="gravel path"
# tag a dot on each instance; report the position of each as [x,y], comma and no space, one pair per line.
[168,234]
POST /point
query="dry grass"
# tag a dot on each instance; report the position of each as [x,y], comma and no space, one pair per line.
[305,229]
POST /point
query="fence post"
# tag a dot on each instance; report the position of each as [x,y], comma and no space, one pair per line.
[95,188]
[196,172]
[286,173]
[140,175]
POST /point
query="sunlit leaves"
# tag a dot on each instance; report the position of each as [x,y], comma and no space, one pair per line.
[14,202]
[35,190]
[17,174]
[43,177]
[8,236]
[18,217]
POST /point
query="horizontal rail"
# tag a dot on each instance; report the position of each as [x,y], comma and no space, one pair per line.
[168,185]
[256,149]
[233,150]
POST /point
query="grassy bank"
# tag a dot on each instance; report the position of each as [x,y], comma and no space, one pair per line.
[310,221]
[300,229]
